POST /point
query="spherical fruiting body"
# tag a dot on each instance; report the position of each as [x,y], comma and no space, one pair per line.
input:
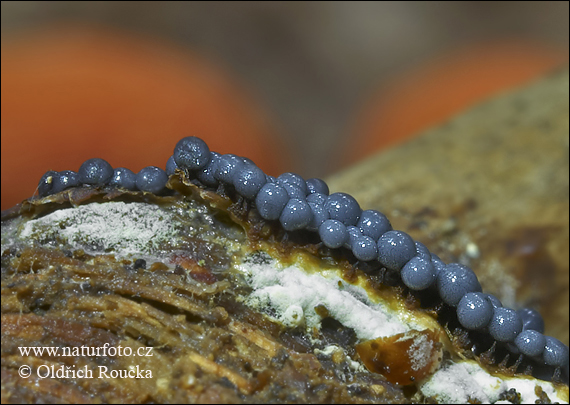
[152,179]
[95,171]
[455,281]
[474,311]
[418,273]
[333,233]
[395,249]
[191,153]
[123,178]
[271,200]
[344,208]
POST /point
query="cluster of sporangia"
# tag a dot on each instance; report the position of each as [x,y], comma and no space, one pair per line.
[339,222]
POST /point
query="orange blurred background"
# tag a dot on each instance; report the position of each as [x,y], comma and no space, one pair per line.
[73,94]
[435,91]
[303,87]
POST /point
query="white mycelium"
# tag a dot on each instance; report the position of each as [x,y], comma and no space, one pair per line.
[291,293]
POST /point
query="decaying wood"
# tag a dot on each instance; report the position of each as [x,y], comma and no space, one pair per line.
[498,172]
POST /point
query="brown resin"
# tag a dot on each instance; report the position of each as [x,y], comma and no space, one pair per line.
[405,358]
